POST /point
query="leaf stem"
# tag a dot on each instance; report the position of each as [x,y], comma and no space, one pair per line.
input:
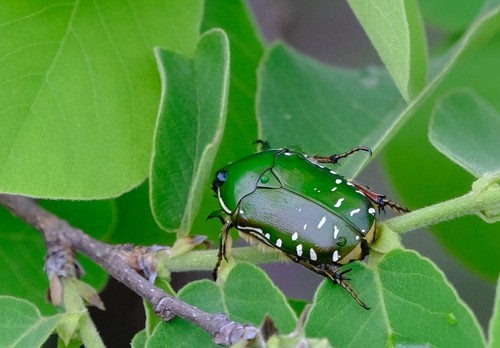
[204,260]
[468,204]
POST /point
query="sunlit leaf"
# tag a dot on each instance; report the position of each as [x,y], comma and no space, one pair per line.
[189,129]
[396,30]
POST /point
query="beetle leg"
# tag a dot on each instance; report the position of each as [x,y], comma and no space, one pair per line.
[264,144]
[224,235]
[334,276]
[334,159]
[379,199]
[338,277]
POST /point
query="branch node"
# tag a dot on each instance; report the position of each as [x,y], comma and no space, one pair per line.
[162,309]
[229,332]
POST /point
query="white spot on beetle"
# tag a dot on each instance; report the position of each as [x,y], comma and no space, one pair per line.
[322,222]
[339,202]
[335,231]
[312,254]
[357,237]
[278,243]
[288,154]
[371,211]
[334,189]
[299,209]
[355,211]
[361,193]
[333,172]
[305,226]
[267,235]
[295,235]
[363,230]
[338,181]
[350,183]
[241,211]
[299,250]
[335,256]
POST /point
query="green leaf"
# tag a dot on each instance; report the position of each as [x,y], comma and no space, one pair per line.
[240,132]
[135,222]
[396,30]
[422,175]
[298,306]
[246,51]
[412,304]
[243,303]
[450,15]
[68,326]
[325,110]
[189,129]
[22,249]
[494,328]
[252,302]
[21,324]
[139,340]
[79,92]
[465,129]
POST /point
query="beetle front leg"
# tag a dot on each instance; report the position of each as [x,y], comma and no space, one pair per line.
[224,235]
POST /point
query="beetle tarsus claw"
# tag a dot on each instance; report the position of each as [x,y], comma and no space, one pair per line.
[264,144]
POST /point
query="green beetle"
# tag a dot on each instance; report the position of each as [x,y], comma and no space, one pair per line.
[289,201]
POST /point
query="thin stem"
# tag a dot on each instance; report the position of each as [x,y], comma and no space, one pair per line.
[204,260]
[468,204]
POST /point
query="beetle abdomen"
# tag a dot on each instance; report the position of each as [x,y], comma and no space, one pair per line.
[299,227]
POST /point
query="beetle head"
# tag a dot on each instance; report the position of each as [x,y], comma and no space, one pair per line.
[220,179]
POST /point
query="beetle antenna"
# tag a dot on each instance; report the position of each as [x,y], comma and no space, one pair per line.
[334,159]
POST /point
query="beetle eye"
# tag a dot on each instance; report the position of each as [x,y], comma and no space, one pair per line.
[220,178]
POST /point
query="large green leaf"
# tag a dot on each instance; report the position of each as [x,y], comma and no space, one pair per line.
[323,109]
[79,92]
[466,129]
[241,124]
[21,324]
[412,304]
[243,302]
[135,222]
[423,176]
[251,303]
[22,249]
[189,129]
[395,29]
[451,15]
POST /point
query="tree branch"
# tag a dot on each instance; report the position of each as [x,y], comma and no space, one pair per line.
[115,262]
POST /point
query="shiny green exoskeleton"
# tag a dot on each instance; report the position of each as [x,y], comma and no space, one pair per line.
[291,202]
